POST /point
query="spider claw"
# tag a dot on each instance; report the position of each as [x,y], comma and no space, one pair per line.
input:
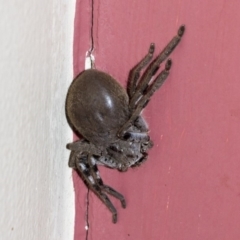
[123,202]
[181,30]
[151,48]
[68,146]
[114,218]
[168,64]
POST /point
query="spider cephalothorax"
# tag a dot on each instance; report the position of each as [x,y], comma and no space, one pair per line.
[109,120]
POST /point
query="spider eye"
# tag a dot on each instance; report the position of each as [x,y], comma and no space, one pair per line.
[126,136]
[112,147]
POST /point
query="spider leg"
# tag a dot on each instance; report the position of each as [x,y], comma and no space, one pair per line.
[78,148]
[107,189]
[134,74]
[145,98]
[86,173]
[116,194]
[83,146]
[154,66]
[140,161]
[141,124]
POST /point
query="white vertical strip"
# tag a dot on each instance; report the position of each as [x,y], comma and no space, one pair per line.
[36,192]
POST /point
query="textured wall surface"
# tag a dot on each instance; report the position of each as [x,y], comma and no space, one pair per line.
[190,186]
[36,193]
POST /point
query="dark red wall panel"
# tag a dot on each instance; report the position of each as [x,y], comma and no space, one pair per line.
[190,186]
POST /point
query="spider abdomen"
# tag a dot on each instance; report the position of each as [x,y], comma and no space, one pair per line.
[97,106]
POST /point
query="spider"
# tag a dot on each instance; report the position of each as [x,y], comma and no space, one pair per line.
[108,118]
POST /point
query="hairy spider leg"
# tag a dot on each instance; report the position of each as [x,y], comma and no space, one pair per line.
[154,66]
[141,124]
[134,74]
[107,189]
[81,146]
[140,161]
[156,84]
[85,172]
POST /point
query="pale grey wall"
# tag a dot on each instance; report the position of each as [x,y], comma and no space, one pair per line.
[36,193]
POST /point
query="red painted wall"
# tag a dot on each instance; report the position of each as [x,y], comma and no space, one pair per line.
[190,186]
